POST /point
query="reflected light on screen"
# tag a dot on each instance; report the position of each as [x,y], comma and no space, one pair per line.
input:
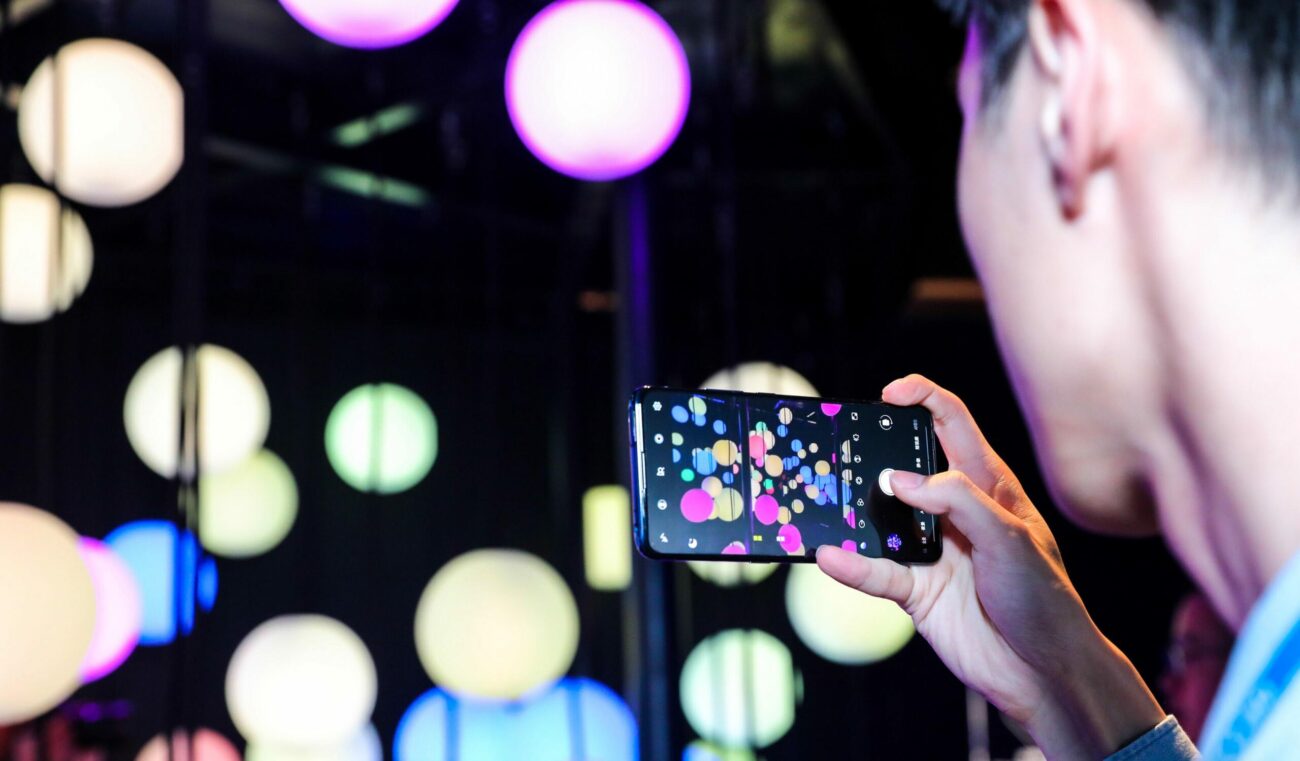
[119,610]
[540,729]
[739,688]
[381,438]
[149,549]
[606,538]
[496,624]
[597,89]
[841,624]
[119,113]
[41,274]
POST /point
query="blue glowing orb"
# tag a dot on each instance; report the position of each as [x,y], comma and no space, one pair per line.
[577,720]
[149,549]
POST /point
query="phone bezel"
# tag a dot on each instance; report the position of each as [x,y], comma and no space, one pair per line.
[638,487]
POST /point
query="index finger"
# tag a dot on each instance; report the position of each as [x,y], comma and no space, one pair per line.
[963,443]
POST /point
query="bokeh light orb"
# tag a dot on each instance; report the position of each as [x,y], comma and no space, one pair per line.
[701,750]
[439,727]
[366,746]
[249,509]
[119,118]
[370,24]
[43,268]
[149,549]
[739,688]
[381,438]
[303,682]
[234,412]
[731,574]
[606,541]
[761,378]
[119,611]
[496,624]
[206,745]
[597,89]
[47,612]
[841,624]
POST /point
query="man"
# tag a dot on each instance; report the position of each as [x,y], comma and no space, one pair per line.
[1199,643]
[1128,191]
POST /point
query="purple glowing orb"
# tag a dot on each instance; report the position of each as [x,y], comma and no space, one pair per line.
[369,24]
[597,89]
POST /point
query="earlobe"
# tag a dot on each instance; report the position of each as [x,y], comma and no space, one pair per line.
[1063,43]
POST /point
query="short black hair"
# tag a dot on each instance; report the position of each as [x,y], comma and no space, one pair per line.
[1244,54]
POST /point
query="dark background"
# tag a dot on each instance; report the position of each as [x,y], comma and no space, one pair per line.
[810,190]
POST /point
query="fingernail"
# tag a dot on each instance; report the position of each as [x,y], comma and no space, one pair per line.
[905,479]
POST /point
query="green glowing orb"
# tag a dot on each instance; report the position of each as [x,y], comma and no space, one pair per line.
[381,438]
[739,689]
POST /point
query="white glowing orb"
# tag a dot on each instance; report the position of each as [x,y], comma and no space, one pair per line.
[739,689]
[841,624]
[205,745]
[233,412]
[366,746]
[45,254]
[496,624]
[761,378]
[381,438]
[47,612]
[119,116]
[301,681]
[370,24]
[606,538]
[249,509]
[119,610]
[597,89]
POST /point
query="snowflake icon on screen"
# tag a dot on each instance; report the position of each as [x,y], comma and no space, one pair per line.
[894,542]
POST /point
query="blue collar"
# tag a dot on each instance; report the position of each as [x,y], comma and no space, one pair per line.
[1259,660]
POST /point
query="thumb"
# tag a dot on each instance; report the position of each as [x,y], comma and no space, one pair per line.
[877,577]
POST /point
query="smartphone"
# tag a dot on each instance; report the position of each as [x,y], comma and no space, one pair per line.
[725,475]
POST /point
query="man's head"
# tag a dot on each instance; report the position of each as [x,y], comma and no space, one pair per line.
[1114,150]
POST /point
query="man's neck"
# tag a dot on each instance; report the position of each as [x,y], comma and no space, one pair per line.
[1225,468]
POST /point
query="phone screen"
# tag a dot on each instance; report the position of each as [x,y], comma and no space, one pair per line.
[731,476]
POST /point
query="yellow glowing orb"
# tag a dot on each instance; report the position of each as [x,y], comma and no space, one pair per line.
[607,538]
[841,624]
[249,509]
[47,612]
[381,438]
[45,254]
[496,624]
[761,378]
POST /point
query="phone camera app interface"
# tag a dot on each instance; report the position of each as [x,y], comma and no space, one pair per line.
[730,474]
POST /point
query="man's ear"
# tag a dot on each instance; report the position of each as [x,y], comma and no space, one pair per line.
[1075,121]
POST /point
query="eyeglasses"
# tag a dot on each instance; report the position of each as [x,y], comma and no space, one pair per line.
[1185,652]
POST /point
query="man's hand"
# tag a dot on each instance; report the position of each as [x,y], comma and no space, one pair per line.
[999,608]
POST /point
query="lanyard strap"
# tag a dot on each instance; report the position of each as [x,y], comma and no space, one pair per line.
[1263,696]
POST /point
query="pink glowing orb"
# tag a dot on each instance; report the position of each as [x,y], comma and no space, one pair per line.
[697,505]
[369,24]
[118,610]
[766,509]
[848,546]
[597,89]
[206,744]
[735,548]
[789,538]
[830,410]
